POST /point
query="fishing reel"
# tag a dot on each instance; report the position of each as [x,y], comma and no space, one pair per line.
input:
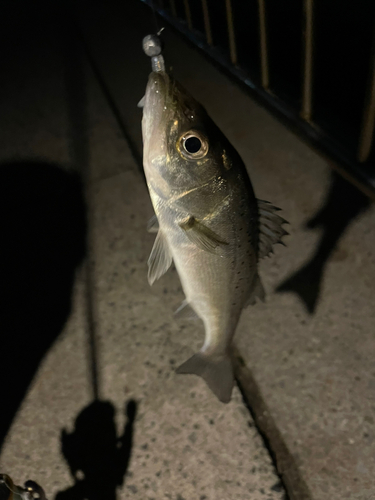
[30,491]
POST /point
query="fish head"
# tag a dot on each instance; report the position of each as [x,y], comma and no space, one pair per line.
[183,148]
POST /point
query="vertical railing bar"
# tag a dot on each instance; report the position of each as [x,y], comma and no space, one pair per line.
[231,33]
[263,44]
[368,120]
[207,23]
[308,61]
[173,7]
[188,14]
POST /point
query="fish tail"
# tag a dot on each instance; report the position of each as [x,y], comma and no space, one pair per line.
[216,371]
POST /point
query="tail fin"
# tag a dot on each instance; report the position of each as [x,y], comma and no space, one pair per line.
[216,371]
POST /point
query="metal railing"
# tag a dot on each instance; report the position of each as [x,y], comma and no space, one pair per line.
[310,61]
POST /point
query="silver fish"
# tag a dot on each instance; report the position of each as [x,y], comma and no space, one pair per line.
[208,221]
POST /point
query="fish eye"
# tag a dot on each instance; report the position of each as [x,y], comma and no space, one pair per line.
[193,145]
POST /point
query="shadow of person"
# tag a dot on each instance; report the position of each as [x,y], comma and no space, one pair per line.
[43,232]
[344,202]
[97,458]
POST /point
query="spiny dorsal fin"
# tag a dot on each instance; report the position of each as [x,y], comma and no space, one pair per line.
[270,228]
[201,235]
[160,259]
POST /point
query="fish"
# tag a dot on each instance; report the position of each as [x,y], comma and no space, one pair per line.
[207,221]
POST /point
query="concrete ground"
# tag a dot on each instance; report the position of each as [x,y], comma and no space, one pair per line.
[307,367]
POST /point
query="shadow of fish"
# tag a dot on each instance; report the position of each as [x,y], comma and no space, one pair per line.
[208,221]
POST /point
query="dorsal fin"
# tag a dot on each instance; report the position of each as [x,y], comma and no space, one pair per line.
[270,228]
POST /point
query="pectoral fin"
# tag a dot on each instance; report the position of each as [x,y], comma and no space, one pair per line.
[160,259]
[201,235]
[270,228]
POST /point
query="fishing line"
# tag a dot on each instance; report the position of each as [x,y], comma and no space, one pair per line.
[155,18]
